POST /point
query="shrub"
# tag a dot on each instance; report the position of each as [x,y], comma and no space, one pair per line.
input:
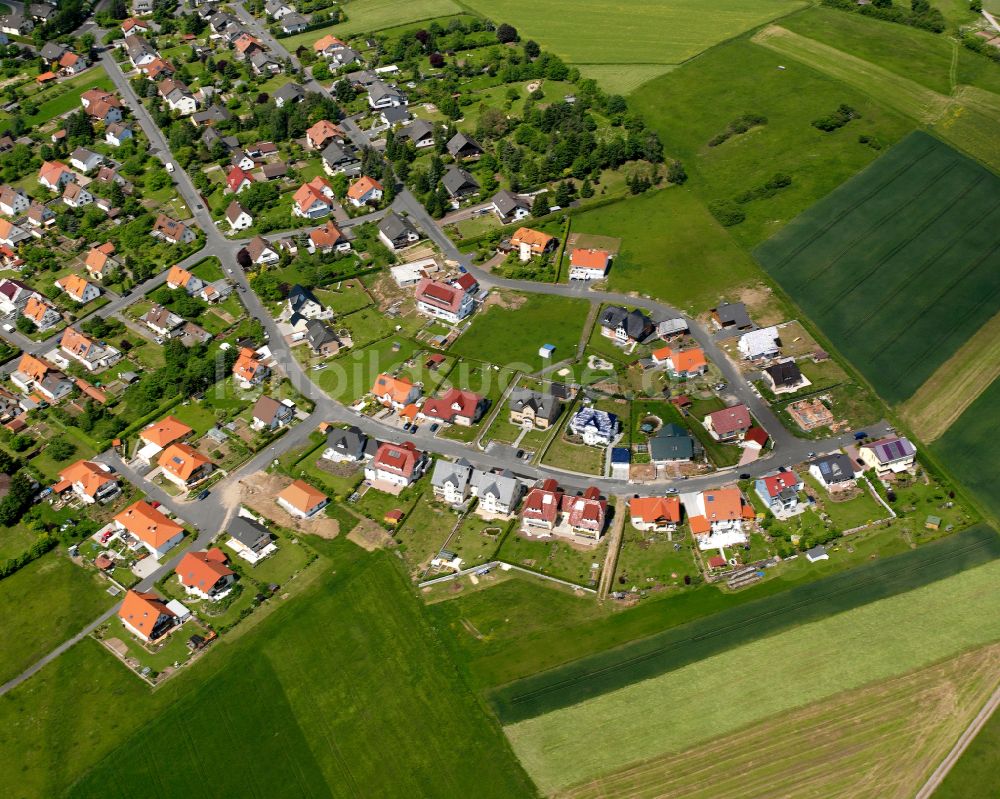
[726,212]
[837,119]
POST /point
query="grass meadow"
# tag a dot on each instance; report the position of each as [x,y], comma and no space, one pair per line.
[512,332]
[741,78]
[675,647]
[702,700]
[344,692]
[897,729]
[367,16]
[664,234]
[42,605]
[968,449]
[644,36]
[900,265]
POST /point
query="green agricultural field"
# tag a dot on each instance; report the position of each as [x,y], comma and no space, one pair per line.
[967,449]
[42,605]
[977,773]
[323,676]
[874,642]
[900,265]
[368,16]
[510,334]
[640,40]
[614,669]
[663,235]
[743,78]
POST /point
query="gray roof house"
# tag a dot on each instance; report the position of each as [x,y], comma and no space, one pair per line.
[288,94]
[623,325]
[671,443]
[732,315]
[348,445]
[462,146]
[450,481]
[382,95]
[339,157]
[294,23]
[834,471]
[497,492]
[532,404]
[458,183]
[249,532]
[322,339]
[396,232]
[509,206]
[419,131]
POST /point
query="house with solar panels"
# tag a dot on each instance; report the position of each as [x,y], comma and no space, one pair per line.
[597,428]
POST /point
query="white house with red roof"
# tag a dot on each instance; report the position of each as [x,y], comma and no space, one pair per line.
[586,264]
[204,574]
[237,180]
[540,511]
[780,492]
[584,515]
[396,466]
[729,424]
[455,406]
[443,301]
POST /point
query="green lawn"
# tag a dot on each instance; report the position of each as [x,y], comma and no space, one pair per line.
[647,32]
[966,449]
[350,297]
[647,560]
[511,336]
[367,16]
[352,375]
[897,293]
[741,78]
[564,454]
[70,97]
[555,558]
[977,772]
[86,720]
[424,531]
[208,269]
[42,605]
[876,641]
[855,512]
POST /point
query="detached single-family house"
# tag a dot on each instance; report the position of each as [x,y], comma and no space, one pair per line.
[731,316]
[671,444]
[42,313]
[779,492]
[238,217]
[762,343]
[625,327]
[302,303]
[293,23]
[92,354]
[589,264]
[177,96]
[78,289]
[75,196]
[90,481]
[250,539]
[728,424]
[382,95]
[146,615]
[204,574]
[324,341]
[450,481]
[530,243]
[249,370]
[183,465]
[289,94]
[172,231]
[269,414]
[40,216]
[458,183]
[261,251]
[498,492]
[395,392]
[718,518]
[541,507]
[139,50]
[13,201]
[396,232]
[237,180]
[785,377]
[363,191]
[420,132]
[835,472]
[11,234]
[155,531]
[302,500]
[85,160]
[455,406]
[117,133]
[443,301]
[328,238]
[682,363]
[100,262]
[894,454]
[533,409]
[328,45]
[158,435]
[323,133]
[180,278]
[348,445]
[462,146]
[313,200]
[655,514]
[339,157]
[508,207]
[16,24]
[398,465]
[54,175]
[597,428]
[33,375]
[162,321]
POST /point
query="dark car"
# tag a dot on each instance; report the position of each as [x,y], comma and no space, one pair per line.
[519,454]
[434,427]
[407,427]
[204,494]
[860,434]
[745,476]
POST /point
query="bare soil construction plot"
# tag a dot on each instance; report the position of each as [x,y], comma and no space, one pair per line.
[257,492]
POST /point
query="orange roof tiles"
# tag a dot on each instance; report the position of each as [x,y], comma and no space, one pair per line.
[148,524]
[537,240]
[32,367]
[327,41]
[181,460]
[590,259]
[302,496]
[362,186]
[74,285]
[88,474]
[396,388]
[164,432]
[178,276]
[202,570]
[142,610]
[35,309]
[247,364]
[655,509]
[691,360]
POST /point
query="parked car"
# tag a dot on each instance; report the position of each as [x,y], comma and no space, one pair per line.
[435,427]
[860,435]
[204,494]
[155,503]
[105,536]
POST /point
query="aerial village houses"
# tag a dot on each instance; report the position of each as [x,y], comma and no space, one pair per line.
[322,133]
[682,364]
[89,481]
[531,243]
[238,217]
[395,392]
[597,428]
[78,289]
[35,375]
[302,500]
[261,251]
[364,191]
[625,327]
[146,616]
[155,531]
[589,264]
[835,472]
[450,481]
[44,315]
[718,518]
[54,176]
[498,493]
[100,262]
[396,466]
[757,344]
[348,445]
[508,207]
[156,436]
[313,200]
[784,377]
[887,456]
[655,514]
[249,370]
[532,409]
[455,406]
[183,465]
[443,301]
[395,232]
[729,424]
[172,231]
[162,321]
[250,539]
[93,355]
[779,492]
[205,575]
[269,414]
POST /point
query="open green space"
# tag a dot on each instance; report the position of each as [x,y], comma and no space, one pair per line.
[968,451]
[555,557]
[368,16]
[900,265]
[743,78]
[350,376]
[646,33]
[85,718]
[676,646]
[977,772]
[663,233]
[874,642]
[537,320]
[42,605]
[69,95]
